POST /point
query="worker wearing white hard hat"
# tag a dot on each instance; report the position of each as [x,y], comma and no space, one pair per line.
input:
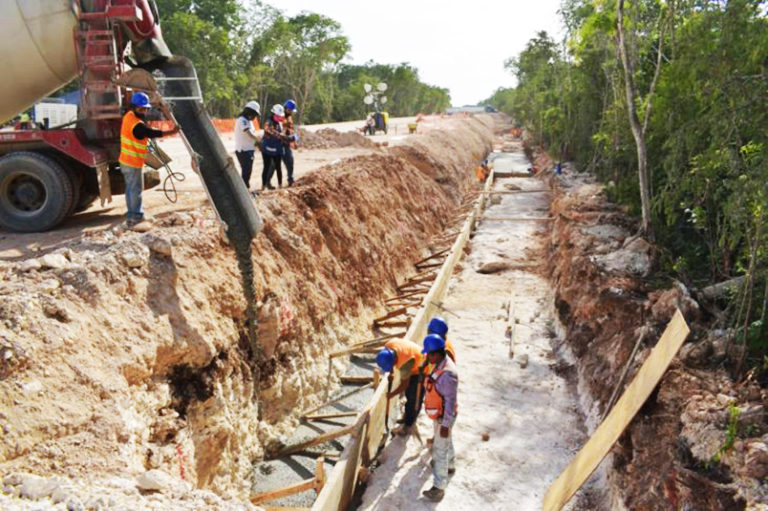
[246,138]
[272,147]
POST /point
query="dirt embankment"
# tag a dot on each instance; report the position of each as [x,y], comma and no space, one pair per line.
[125,352]
[667,458]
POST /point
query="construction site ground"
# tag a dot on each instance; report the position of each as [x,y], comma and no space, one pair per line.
[518,422]
[128,379]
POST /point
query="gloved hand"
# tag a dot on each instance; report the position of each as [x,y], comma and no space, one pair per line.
[444,431]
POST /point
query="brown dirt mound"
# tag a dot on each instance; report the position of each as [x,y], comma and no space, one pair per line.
[328,137]
[129,352]
[664,459]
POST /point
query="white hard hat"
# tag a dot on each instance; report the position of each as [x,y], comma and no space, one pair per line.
[255,106]
[278,110]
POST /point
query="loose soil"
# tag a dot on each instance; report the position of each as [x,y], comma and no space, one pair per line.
[123,352]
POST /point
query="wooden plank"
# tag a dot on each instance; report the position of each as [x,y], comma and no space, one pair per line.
[519,219]
[329,416]
[331,497]
[389,315]
[376,427]
[355,380]
[310,484]
[320,439]
[608,432]
[512,192]
[427,266]
[432,255]
[303,486]
[335,400]
[424,277]
[407,295]
[394,324]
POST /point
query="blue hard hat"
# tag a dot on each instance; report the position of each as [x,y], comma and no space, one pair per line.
[141,100]
[433,342]
[386,359]
[291,105]
[437,325]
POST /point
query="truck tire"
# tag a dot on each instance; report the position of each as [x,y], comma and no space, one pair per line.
[35,192]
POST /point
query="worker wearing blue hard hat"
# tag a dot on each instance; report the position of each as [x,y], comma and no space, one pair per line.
[405,357]
[292,138]
[134,148]
[441,389]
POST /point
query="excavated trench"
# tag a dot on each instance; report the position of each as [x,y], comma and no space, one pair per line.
[128,352]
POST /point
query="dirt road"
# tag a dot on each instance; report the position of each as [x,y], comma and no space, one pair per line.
[528,410]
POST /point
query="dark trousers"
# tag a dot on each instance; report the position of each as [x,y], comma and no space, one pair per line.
[412,407]
[246,165]
[288,160]
[271,164]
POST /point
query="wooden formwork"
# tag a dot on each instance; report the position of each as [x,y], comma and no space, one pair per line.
[370,428]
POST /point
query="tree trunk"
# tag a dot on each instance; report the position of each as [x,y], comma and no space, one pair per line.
[637,128]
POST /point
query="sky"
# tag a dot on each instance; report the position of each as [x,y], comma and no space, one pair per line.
[459,45]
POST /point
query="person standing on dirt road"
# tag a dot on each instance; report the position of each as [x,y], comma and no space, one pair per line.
[245,139]
[133,151]
[441,388]
[272,147]
[292,138]
[406,357]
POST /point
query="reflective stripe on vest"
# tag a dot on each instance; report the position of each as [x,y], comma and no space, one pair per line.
[433,401]
[132,150]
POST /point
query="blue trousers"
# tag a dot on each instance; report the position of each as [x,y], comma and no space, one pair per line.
[288,160]
[246,165]
[134,184]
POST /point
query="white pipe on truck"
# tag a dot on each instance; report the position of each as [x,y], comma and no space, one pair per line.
[37,51]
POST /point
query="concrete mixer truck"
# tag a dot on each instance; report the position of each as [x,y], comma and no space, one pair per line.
[48,174]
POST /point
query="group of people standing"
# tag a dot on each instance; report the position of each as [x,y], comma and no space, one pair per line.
[428,374]
[276,144]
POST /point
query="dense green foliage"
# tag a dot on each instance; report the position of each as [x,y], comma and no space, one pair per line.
[250,50]
[707,130]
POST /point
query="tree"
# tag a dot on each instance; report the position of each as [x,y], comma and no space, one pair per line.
[639,129]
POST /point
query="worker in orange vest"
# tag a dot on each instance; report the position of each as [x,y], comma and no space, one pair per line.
[134,135]
[440,404]
[406,357]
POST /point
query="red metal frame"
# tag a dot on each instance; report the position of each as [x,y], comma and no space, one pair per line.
[71,142]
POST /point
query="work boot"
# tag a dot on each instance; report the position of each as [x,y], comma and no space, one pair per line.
[434,494]
[142,226]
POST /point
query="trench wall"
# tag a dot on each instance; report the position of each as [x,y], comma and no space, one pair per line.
[132,354]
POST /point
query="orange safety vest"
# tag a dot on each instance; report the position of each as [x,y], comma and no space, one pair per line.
[406,350]
[132,150]
[433,401]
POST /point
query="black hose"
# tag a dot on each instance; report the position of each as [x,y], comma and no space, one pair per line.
[225,186]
